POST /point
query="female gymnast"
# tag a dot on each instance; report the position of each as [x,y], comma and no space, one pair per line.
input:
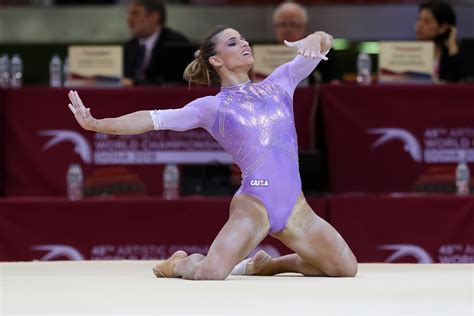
[254,123]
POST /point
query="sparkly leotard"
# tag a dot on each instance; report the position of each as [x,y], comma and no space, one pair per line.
[254,123]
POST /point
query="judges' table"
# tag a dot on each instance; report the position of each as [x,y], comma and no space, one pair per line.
[42,139]
[385,138]
[125,228]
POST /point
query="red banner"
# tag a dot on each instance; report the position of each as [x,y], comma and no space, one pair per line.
[421,229]
[42,139]
[135,229]
[384,138]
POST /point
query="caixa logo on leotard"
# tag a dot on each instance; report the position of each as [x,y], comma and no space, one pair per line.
[259,183]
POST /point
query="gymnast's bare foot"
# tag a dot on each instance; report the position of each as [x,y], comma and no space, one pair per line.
[166,269]
[261,264]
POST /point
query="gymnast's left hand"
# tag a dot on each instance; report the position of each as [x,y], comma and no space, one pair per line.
[81,113]
[312,45]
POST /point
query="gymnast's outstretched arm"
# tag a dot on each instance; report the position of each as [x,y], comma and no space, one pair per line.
[186,118]
[311,50]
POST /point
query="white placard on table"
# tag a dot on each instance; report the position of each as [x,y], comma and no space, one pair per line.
[95,65]
[269,57]
[406,61]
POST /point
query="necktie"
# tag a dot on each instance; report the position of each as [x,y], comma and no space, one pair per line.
[139,74]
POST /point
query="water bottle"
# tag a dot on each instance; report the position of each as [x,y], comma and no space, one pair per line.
[171,182]
[66,72]
[4,71]
[74,182]
[16,70]
[55,72]
[364,69]
[462,175]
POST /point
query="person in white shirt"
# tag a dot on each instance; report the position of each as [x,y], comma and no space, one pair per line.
[148,56]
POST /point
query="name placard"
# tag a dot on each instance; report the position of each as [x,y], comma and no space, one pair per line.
[406,61]
[269,57]
[95,65]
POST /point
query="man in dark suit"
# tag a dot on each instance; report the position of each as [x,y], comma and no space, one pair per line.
[151,57]
[290,22]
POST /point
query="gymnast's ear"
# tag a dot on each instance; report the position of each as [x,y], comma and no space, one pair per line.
[215,61]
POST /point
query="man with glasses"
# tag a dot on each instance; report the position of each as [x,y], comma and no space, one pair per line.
[290,22]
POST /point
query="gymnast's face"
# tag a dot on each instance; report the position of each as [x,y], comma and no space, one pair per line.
[233,52]
[427,27]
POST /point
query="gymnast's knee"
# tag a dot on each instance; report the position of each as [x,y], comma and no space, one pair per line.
[346,268]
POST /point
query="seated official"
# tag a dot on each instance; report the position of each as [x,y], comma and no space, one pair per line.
[150,56]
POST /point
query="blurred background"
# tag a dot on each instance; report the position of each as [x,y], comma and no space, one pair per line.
[38,29]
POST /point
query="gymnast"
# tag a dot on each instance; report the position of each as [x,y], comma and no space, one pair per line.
[254,123]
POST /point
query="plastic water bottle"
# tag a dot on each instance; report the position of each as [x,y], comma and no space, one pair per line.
[16,70]
[462,175]
[364,69]
[55,72]
[4,71]
[74,182]
[171,182]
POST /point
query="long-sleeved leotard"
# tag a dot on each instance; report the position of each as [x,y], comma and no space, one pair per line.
[254,123]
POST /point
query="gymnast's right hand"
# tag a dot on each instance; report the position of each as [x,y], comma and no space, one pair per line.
[315,45]
[81,113]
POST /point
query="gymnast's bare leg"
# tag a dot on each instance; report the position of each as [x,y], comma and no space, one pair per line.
[246,227]
[319,248]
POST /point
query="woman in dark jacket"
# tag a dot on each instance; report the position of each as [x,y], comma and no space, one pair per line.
[437,22]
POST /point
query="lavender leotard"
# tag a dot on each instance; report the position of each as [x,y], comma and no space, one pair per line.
[254,123]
